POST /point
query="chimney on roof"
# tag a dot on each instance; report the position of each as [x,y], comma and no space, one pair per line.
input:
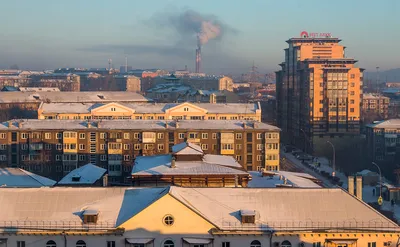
[173,164]
[350,185]
[236,181]
[105,180]
[255,125]
[244,125]
[177,124]
[359,187]
[166,124]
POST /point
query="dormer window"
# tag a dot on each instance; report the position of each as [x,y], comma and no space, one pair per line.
[76,178]
[112,108]
[186,109]
[90,216]
[248,216]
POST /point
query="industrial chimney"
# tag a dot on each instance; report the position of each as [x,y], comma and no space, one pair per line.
[350,184]
[198,55]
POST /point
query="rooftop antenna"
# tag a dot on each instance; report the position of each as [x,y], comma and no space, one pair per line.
[109,64]
[377,80]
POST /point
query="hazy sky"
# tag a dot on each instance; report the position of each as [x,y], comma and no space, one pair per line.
[71,33]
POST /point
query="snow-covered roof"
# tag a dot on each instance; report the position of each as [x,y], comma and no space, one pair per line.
[391,123]
[294,179]
[187,148]
[369,96]
[161,165]
[82,108]
[223,160]
[16,177]
[68,97]
[88,174]
[275,209]
[131,124]
[281,208]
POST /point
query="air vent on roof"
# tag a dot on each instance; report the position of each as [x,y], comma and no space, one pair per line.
[90,216]
[248,216]
[37,97]
[100,96]
[76,178]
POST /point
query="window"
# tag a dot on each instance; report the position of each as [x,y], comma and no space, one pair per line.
[80,243]
[103,157]
[260,146]
[238,135]
[351,109]
[249,137]
[136,135]
[102,146]
[160,135]
[255,243]
[47,146]
[4,135]
[81,146]
[352,101]
[137,146]
[148,147]
[249,159]
[149,117]
[47,135]
[226,244]
[238,146]
[58,136]
[168,220]
[58,157]
[160,146]
[351,92]
[24,146]
[259,136]
[259,157]
[238,157]
[103,135]
[114,145]
[81,157]
[138,117]
[204,146]
[59,146]
[211,118]
[160,117]
[316,244]
[69,134]
[286,244]
[227,146]
[186,109]
[371,244]
[168,243]
[113,109]
[127,157]
[3,157]
[181,135]
[222,118]
[214,135]
[3,146]
[51,243]
[204,136]
[110,243]
[20,243]
[352,76]
[69,146]
[81,136]
[127,146]
[193,135]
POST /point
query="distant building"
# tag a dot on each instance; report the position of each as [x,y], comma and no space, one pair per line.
[382,140]
[188,166]
[217,83]
[65,82]
[39,89]
[375,107]
[392,84]
[150,111]
[125,69]
[10,89]
[20,178]
[128,83]
[87,175]
[267,179]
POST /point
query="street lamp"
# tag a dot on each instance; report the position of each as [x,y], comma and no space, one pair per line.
[380,179]
[305,140]
[334,156]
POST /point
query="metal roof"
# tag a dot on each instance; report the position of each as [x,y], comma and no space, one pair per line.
[16,177]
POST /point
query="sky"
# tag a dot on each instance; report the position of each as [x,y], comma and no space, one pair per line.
[47,34]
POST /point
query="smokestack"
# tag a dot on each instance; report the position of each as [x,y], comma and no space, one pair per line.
[351,185]
[359,187]
[236,181]
[173,164]
[126,64]
[198,54]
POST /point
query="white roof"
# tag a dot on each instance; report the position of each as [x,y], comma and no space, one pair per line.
[295,179]
[281,208]
[223,160]
[161,165]
[373,96]
[68,97]
[277,208]
[299,180]
[16,177]
[187,148]
[391,123]
[88,174]
[82,108]
[131,124]
[39,89]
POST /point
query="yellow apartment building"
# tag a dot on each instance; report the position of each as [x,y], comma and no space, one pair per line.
[319,91]
[150,111]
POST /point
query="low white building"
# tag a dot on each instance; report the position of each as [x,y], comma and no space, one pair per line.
[20,178]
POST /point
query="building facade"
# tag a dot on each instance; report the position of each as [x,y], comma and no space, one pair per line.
[375,107]
[383,140]
[65,82]
[128,83]
[150,111]
[217,83]
[55,147]
[318,93]
[190,217]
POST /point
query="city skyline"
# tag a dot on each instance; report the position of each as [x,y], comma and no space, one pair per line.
[47,34]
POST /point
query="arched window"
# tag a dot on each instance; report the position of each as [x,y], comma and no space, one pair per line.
[255,243]
[286,244]
[51,243]
[80,243]
[169,243]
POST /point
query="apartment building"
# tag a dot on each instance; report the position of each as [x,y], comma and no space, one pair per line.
[375,107]
[128,83]
[150,111]
[192,217]
[217,83]
[55,147]
[63,81]
[383,140]
[319,93]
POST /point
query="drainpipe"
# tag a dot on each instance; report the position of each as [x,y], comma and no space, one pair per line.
[65,238]
[270,238]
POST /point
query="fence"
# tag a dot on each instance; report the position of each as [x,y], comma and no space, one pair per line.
[31,226]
